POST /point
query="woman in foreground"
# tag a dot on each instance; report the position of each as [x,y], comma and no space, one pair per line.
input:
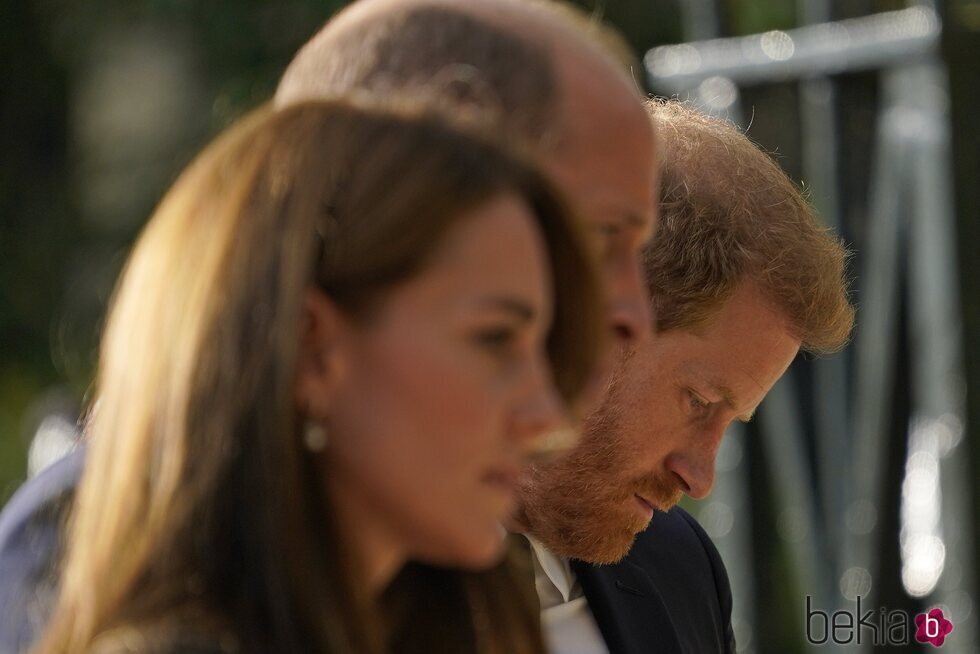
[330,353]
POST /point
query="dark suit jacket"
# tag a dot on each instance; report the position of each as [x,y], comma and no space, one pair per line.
[670,595]
[31,536]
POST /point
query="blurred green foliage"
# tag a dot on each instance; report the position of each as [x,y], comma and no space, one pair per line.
[57,262]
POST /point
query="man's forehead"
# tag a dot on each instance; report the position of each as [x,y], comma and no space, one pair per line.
[613,203]
[740,353]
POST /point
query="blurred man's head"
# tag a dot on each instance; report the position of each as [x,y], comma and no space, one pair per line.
[741,276]
[556,82]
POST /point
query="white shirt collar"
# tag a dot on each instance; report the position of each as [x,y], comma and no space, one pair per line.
[553,576]
[567,621]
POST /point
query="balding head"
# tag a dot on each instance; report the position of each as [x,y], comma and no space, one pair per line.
[508,59]
[545,75]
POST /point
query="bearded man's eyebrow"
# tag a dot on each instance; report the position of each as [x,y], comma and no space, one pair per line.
[728,397]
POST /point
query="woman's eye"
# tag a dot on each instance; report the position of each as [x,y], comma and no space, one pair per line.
[496,338]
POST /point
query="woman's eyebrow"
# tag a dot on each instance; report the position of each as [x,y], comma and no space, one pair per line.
[521,309]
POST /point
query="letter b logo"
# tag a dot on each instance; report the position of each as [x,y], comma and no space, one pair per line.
[932,627]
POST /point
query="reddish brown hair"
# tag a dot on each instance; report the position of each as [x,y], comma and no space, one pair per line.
[728,214]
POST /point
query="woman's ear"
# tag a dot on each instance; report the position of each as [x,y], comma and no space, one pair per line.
[321,365]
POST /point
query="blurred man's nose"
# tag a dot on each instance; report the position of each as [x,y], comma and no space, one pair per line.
[540,409]
[628,301]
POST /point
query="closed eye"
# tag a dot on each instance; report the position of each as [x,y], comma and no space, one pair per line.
[696,402]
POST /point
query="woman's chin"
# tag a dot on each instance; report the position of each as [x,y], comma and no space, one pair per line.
[472,553]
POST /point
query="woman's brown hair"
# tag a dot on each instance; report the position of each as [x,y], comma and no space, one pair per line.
[199,507]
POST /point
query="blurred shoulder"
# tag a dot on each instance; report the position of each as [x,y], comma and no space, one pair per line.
[43,497]
[31,537]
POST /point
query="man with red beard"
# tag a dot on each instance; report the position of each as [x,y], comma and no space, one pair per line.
[741,277]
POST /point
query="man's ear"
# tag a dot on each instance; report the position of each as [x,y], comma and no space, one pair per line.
[321,364]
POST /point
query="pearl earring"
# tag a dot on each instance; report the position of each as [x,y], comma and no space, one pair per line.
[314,436]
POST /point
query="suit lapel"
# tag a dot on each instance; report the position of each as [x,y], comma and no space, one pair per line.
[629,610]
